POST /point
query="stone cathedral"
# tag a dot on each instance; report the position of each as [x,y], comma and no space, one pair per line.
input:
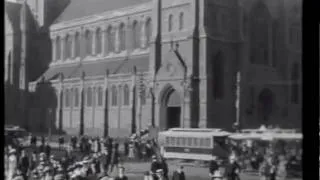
[116,67]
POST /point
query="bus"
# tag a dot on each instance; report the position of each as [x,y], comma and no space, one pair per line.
[193,144]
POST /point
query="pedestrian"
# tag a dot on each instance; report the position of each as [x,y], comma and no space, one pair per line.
[43,140]
[131,150]
[61,142]
[121,175]
[33,161]
[282,172]
[232,169]
[213,166]
[60,174]
[178,174]
[265,169]
[164,167]
[24,163]
[114,157]
[155,165]
[48,173]
[12,164]
[48,149]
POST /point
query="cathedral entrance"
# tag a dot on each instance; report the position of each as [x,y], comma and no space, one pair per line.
[170,109]
[173,110]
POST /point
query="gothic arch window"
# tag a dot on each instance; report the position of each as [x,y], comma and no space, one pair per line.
[110,39]
[71,94]
[170,22]
[94,96]
[295,75]
[76,97]
[218,76]
[136,35]
[89,97]
[122,37]
[66,98]
[98,41]
[68,49]
[143,95]
[148,31]
[88,36]
[114,96]
[259,39]
[77,44]
[181,21]
[100,96]
[58,48]
[126,95]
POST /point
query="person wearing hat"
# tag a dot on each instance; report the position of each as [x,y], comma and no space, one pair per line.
[213,166]
[232,169]
[12,164]
[155,165]
[217,175]
[178,174]
[24,163]
[121,175]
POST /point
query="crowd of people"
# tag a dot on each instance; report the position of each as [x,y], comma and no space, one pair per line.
[98,158]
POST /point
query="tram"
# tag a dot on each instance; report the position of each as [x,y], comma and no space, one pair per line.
[194,144]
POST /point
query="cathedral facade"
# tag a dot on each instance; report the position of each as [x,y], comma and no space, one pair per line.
[122,66]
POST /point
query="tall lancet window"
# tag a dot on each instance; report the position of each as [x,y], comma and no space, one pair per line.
[68,49]
[122,37]
[136,35]
[76,97]
[126,95]
[58,48]
[110,40]
[66,97]
[88,42]
[100,96]
[114,96]
[89,97]
[295,73]
[77,44]
[98,41]
[181,21]
[170,22]
[218,76]
[148,31]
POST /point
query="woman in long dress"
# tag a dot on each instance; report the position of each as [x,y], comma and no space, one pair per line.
[12,164]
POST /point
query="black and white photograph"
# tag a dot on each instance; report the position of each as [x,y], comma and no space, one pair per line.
[153,90]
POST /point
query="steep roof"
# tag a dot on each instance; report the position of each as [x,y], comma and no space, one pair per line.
[121,66]
[82,8]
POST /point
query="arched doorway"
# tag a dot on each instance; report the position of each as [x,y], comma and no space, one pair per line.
[170,109]
[265,100]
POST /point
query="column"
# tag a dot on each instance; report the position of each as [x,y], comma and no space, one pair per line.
[81,131]
[94,39]
[63,45]
[54,58]
[133,89]
[106,104]
[82,42]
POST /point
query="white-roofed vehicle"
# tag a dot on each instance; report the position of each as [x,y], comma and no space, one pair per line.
[194,143]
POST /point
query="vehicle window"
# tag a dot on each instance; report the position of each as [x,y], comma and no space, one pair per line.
[207,142]
[178,141]
[190,142]
[172,141]
[167,141]
[195,142]
[183,141]
[201,142]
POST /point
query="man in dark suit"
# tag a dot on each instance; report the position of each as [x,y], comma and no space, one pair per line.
[178,174]
[213,167]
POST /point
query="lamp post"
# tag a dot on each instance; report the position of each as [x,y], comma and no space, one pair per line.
[186,91]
